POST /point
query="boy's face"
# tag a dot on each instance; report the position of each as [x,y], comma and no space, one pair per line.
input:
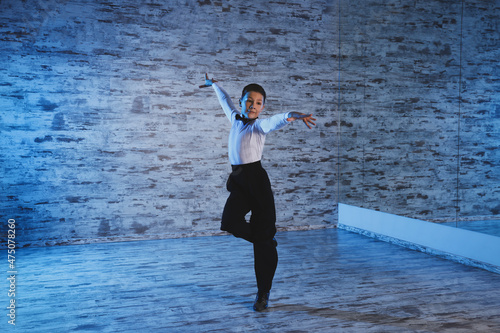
[252,104]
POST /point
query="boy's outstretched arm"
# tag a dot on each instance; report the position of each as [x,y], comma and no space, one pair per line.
[208,82]
[223,97]
[306,118]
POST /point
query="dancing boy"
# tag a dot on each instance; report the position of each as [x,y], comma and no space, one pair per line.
[248,184]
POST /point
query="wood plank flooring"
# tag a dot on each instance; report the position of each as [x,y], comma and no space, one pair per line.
[327,281]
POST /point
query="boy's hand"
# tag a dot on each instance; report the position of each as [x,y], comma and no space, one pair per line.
[306,118]
[208,82]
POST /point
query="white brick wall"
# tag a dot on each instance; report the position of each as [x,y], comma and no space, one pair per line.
[105,135]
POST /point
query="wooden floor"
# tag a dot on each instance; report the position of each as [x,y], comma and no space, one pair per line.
[327,281]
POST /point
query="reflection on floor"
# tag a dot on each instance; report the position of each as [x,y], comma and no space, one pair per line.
[491,227]
[327,281]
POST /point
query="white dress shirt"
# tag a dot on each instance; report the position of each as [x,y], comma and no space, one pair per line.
[246,141]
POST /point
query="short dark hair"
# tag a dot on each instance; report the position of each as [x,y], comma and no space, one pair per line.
[254,87]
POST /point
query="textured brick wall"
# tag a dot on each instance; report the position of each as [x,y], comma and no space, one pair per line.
[420,108]
[479,179]
[105,135]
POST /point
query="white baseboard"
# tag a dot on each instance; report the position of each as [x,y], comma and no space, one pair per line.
[468,247]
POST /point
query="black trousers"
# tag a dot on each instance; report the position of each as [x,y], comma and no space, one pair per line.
[250,190]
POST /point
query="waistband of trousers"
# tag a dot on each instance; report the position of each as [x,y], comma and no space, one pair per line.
[246,166]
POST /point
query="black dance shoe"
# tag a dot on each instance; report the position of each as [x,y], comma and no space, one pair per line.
[261,302]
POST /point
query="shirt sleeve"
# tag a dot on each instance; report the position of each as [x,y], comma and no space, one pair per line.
[226,102]
[273,123]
